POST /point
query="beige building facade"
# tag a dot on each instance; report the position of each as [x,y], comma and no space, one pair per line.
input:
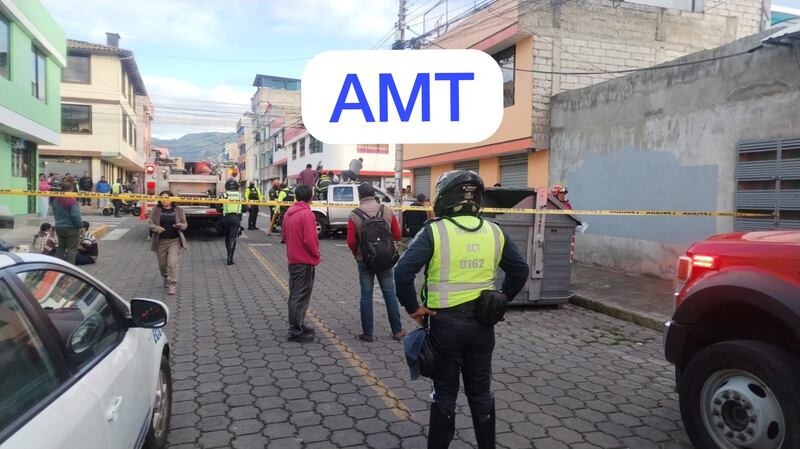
[105,115]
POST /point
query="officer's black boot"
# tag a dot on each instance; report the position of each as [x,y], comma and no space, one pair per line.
[231,250]
[442,427]
[484,428]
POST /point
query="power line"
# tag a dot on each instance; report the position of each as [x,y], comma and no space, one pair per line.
[612,72]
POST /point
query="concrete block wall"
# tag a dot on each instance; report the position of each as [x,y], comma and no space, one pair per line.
[609,35]
[666,140]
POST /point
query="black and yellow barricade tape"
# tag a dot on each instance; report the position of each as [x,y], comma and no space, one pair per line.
[492,210]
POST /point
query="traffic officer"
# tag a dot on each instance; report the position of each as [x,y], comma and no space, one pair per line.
[116,189]
[254,194]
[232,217]
[461,251]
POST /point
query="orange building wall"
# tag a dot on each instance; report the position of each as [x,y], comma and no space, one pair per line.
[517,118]
[490,170]
[437,171]
[537,168]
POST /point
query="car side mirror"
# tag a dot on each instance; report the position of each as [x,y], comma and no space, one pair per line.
[149,313]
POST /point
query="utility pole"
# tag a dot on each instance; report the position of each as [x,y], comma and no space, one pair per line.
[400,43]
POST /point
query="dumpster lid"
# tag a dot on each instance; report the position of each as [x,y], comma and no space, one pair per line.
[520,199]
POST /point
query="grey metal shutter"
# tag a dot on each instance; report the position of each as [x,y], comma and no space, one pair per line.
[468,165]
[422,181]
[789,184]
[768,181]
[514,171]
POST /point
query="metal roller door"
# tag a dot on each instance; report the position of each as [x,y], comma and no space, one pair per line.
[468,165]
[768,181]
[422,181]
[514,171]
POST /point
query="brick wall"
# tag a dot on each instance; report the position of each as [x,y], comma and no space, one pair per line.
[606,35]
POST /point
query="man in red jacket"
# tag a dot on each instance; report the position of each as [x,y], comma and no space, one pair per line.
[302,249]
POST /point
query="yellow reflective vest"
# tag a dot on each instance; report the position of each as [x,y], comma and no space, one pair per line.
[464,262]
[229,208]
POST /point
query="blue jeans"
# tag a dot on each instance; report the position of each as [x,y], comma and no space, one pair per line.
[386,280]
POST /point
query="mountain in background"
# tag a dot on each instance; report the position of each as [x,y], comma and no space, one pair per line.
[197,146]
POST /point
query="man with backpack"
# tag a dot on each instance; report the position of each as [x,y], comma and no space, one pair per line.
[371,232]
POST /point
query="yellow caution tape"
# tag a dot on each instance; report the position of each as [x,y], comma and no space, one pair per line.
[318,204]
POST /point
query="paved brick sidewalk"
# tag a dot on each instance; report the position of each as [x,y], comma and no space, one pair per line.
[563,377]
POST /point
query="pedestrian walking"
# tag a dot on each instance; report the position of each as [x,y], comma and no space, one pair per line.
[44,201]
[461,252]
[102,186]
[252,193]
[85,184]
[299,230]
[354,170]
[167,222]
[231,217]
[371,232]
[308,176]
[67,214]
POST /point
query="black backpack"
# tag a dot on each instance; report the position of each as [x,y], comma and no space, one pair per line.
[376,242]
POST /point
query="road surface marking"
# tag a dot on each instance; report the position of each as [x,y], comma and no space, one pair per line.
[393,402]
[116,234]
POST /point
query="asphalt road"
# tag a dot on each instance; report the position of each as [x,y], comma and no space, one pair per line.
[563,377]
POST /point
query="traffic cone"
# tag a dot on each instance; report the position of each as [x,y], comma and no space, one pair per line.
[141,211]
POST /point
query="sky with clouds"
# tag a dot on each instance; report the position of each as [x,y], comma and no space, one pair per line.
[199,57]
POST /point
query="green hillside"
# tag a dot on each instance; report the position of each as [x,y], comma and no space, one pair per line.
[197,146]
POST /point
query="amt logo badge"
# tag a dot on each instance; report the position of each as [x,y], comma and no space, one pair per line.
[420,96]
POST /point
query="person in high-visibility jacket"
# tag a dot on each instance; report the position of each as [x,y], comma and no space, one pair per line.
[285,195]
[461,251]
[231,217]
[116,189]
[254,194]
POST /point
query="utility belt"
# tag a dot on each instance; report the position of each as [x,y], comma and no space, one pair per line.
[488,309]
[233,214]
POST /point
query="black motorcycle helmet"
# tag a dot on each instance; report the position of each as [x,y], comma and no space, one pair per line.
[231,184]
[458,192]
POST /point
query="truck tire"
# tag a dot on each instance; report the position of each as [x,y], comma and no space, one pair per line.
[162,409]
[322,225]
[741,393]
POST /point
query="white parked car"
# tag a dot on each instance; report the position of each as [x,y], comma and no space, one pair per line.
[80,367]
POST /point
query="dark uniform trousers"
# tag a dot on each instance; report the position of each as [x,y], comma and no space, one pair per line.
[231,224]
[464,349]
[252,216]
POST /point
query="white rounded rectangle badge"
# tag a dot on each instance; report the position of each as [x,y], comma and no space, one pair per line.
[402,96]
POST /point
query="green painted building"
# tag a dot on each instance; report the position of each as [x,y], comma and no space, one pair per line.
[32,55]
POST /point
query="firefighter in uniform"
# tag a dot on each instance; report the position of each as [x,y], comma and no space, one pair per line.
[461,251]
[232,217]
[254,194]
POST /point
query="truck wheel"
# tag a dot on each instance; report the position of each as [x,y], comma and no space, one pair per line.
[162,409]
[322,225]
[136,211]
[741,394]
[107,212]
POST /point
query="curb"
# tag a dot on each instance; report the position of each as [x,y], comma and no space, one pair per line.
[651,322]
[101,231]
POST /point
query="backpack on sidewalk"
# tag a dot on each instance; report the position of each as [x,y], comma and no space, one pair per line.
[376,242]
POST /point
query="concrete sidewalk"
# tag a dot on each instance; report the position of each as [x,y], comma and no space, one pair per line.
[644,300]
[26,226]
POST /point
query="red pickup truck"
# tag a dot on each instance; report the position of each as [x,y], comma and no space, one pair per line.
[735,340]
